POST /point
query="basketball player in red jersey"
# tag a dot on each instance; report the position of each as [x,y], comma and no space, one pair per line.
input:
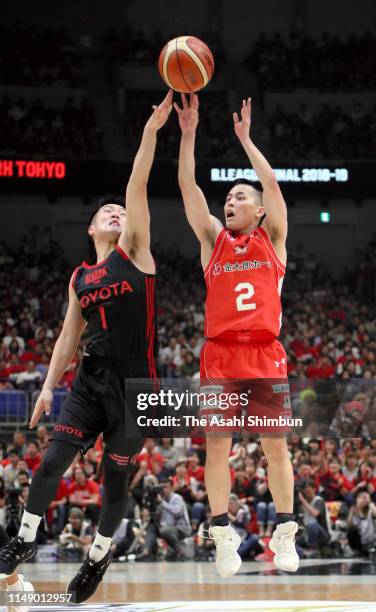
[244,265]
[115,300]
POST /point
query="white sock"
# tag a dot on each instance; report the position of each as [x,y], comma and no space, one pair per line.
[29,526]
[99,547]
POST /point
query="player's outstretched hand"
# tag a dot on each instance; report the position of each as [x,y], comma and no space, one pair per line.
[161,113]
[188,115]
[242,126]
[42,405]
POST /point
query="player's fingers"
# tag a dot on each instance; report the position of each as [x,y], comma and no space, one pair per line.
[235,117]
[249,103]
[194,101]
[167,101]
[168,98]
[35,417]
[184,100]
[177,108]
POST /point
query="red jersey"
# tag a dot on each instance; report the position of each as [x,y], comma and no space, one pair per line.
[244,281]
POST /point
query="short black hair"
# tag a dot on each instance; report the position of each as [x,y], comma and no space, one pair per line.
[243,181]
[104,200]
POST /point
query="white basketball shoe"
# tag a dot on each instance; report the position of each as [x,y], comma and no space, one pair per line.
[227,542]
[283,545]
[21,586]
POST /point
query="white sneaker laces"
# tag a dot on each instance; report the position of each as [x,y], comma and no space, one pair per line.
[225,541]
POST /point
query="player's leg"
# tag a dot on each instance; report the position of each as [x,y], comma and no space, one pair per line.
[43,489]
[270,399]
[116,471]
[215,359]
[218,487]
[118,463]
[218,477]
[281,485]
[280,474]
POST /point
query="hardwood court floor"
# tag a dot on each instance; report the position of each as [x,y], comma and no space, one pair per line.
[169,585]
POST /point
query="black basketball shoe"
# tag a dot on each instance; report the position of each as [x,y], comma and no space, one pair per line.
[86,581]
[15,552]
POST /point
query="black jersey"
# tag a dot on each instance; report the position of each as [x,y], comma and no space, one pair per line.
[118,302]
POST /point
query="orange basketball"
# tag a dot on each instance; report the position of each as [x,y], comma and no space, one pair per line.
[186,64]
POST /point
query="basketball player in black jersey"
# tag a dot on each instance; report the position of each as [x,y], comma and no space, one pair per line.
[115,300]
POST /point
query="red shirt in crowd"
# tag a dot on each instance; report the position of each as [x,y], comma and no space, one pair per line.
[150,459]
[198,473]
[33,463]
[85,491]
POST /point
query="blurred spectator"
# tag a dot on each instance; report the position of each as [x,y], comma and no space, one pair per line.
[30,379]
[315,517]
[33,457]
[361,528]
[170,454]
[84,493]
[19,442]
[77,535]
[42,437]
[174,521]
[11,470]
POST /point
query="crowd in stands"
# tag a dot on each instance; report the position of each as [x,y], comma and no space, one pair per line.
[328,62]
[329,133]
[35,56]
[329,327]
[168,514]
[329,330]
[38,130]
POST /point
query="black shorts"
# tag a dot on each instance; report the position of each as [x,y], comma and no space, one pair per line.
[103,400]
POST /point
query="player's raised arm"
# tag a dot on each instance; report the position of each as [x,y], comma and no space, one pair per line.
[63,353]
[205,226]
[137,232]
[273,201]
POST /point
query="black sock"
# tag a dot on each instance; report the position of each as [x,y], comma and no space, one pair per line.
[284,517]
[221,520]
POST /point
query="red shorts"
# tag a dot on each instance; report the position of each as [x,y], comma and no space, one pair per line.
[255,373]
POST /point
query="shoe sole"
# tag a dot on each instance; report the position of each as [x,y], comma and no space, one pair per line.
[228,575]
[280,565]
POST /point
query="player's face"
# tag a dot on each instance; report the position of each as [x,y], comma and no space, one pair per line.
[109,221]
[242,208]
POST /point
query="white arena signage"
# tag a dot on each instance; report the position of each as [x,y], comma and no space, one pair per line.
[284,175]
